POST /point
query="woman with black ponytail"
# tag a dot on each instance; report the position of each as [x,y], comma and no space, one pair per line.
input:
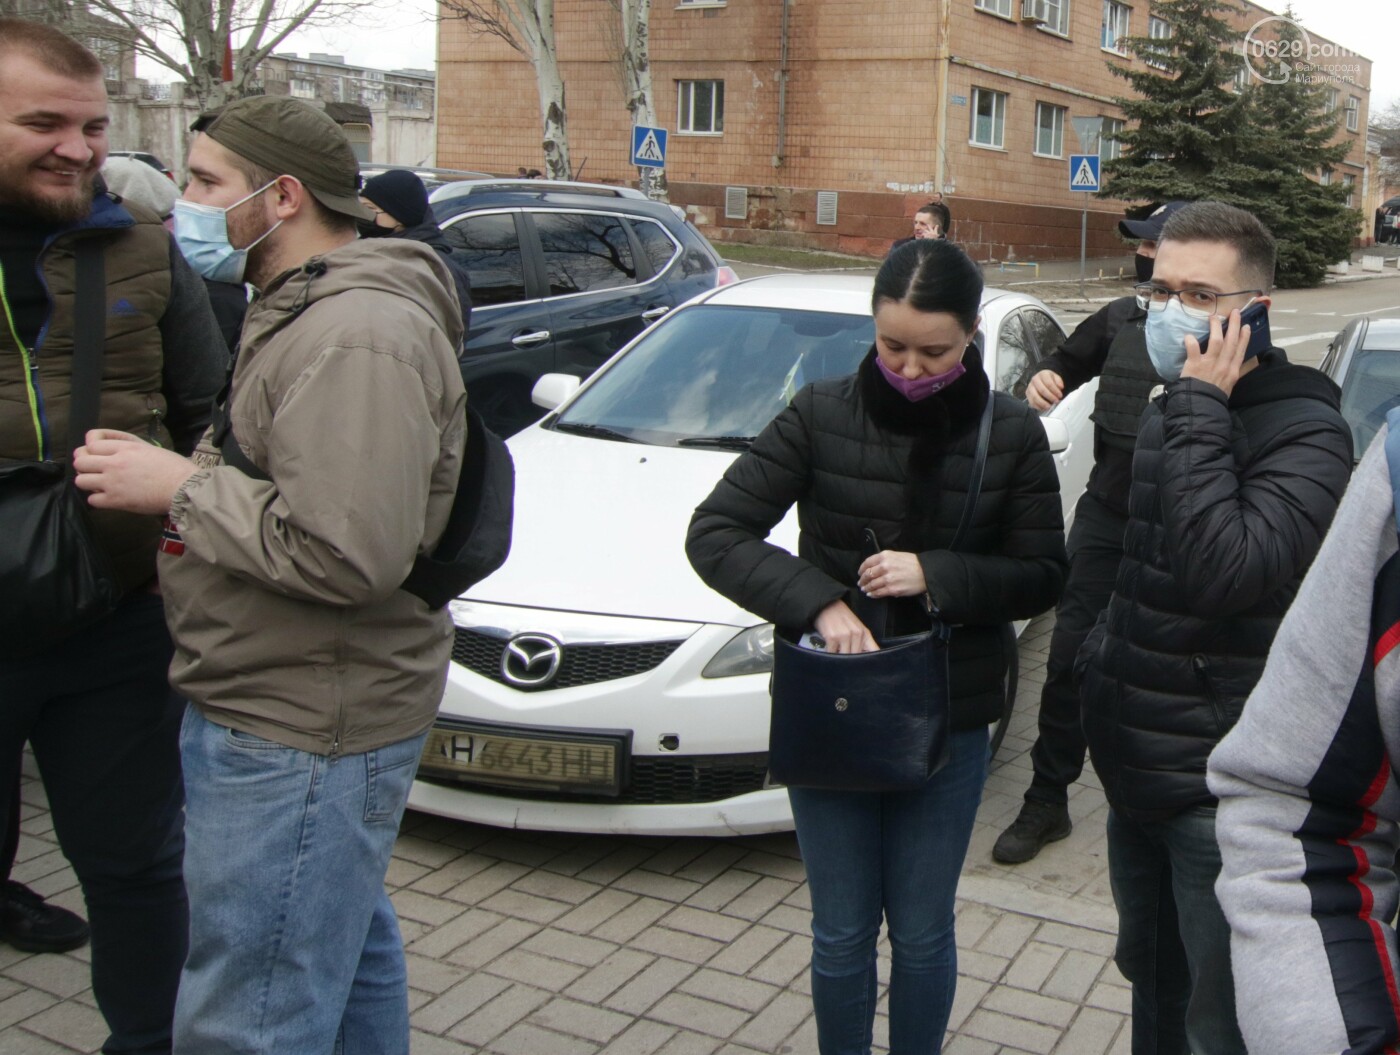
[891,450]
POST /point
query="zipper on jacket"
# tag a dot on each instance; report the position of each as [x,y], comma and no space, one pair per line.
[153,423]
[1201,666]
[31,373]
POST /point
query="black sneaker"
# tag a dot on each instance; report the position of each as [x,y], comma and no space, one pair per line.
[1038,823]
[30,925]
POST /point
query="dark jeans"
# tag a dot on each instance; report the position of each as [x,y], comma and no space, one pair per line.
[1173,939]
[104,727]
[896,855]
[1095,550]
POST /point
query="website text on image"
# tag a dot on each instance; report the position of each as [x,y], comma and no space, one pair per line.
[1275,61]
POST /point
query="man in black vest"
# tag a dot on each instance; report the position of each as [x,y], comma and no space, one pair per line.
[96,707]
[1108,345]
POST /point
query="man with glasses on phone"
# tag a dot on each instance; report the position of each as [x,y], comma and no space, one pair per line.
[1239,466]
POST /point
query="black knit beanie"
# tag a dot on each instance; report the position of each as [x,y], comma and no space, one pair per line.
[400,193]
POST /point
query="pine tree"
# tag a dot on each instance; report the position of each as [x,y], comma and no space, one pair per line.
[1291,141]
[1196,135]
[1184,121]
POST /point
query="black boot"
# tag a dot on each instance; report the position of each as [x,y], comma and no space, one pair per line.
[1038,823]
[30,925]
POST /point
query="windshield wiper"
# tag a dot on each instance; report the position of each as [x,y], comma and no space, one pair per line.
[725,443]
[602,432]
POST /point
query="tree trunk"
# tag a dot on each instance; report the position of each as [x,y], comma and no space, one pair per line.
[553,113]
[636,75]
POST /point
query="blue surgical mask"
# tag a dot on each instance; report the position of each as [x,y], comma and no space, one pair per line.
[201,232]
[1166,333]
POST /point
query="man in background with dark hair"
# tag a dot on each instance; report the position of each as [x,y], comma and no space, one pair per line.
[312,677]
[1109,345]
[96,707]
[1239,466]
[930,221]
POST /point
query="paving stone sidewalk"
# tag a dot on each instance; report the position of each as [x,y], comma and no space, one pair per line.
[524,943]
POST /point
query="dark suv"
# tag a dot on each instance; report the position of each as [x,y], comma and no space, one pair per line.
[562,275]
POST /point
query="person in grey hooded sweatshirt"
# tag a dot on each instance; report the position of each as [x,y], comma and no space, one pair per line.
[1309,815]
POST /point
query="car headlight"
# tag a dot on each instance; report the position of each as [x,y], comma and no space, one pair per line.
[748,652]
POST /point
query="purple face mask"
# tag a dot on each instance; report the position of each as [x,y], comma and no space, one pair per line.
[923,387]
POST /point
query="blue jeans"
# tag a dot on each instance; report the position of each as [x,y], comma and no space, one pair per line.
[294,946]
[896,854]
[1173,939]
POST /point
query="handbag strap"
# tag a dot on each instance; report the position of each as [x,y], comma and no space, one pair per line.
[979,468]
[89,336]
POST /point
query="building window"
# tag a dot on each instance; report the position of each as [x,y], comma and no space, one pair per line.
[1056,15]
[700,107]
[1325,177]
[1333,97]
[1349,182]
[303,89]
[1115,25]
[1049,130]
[996,7]
[988,118]
[1353,113]
[1110,148]
[1159,29]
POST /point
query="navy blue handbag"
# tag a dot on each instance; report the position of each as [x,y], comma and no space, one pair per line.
[867,721]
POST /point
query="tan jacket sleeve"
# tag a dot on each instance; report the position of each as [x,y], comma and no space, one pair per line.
[351,452]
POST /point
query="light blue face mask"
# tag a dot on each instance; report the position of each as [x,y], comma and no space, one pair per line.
[1166,334]
[201,232]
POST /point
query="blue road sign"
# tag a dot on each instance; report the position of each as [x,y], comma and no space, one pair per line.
[649,147]
[1084,172]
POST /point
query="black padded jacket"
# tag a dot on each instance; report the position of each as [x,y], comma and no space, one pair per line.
[1228,506]
[853,453]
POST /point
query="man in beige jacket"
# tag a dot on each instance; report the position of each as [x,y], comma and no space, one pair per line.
[313,677]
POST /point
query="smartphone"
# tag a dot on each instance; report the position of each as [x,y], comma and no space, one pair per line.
[1256,317]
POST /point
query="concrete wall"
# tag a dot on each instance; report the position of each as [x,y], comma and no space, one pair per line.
[161,126]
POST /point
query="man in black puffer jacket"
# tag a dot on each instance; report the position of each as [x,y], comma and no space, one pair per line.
[1239,467]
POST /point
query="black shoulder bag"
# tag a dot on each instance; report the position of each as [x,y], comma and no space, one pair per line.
[868,721]
[53,578]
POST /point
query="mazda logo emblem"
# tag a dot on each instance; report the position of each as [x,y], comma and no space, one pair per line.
[531,660]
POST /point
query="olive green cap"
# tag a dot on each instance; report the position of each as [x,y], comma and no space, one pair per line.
[291,137]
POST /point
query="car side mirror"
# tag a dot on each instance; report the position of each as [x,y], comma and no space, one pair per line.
[1057,432]
[553,389]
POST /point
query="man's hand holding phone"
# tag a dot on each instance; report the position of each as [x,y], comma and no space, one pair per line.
[1222,361]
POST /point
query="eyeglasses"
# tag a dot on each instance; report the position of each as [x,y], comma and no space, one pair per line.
[1198,303]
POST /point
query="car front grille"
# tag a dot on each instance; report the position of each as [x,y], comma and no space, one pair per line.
[581,664]
[655,781]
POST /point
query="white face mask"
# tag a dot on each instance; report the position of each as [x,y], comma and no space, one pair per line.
[201,232]
[1166,334]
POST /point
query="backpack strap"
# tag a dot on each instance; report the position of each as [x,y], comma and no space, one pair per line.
[89,337]
[227,442]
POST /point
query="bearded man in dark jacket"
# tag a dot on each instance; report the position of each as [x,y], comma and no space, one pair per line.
[1240,464]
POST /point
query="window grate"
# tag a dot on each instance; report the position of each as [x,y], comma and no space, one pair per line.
[736,203]
[826,207]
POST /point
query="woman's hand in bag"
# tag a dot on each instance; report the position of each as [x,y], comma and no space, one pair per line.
[842,631]
[125,472]
[891,573]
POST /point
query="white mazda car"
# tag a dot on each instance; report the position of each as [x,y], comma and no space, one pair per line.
[597,685]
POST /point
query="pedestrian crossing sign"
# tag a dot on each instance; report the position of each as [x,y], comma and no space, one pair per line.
[1084,172]
[649,147]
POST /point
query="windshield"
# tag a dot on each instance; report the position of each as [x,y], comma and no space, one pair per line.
[715,376]
[1370,390]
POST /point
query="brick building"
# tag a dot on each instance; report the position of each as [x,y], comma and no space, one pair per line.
[874,102]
